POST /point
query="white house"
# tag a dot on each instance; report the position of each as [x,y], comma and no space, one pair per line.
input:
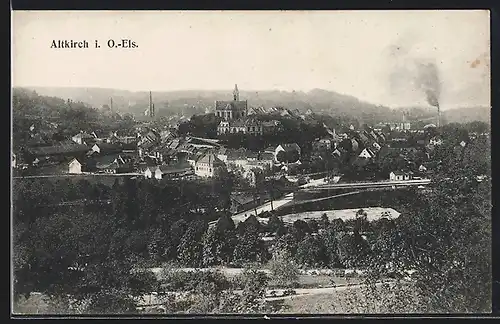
[422,168]
[376,146]
[148,173]
[435,141]
[13,160]
[336,153]
[208,165]
[399,176]
[365,154]
[160,171]
[75,167]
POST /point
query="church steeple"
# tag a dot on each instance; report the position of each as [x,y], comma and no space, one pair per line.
[236,93]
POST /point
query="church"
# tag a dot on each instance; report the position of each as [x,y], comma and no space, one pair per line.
[235,117]
[231,110]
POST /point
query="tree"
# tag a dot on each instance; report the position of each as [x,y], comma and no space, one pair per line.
[352,250]
[330,242]
[313,225]
[249,248]
[448,242]
[338,225]
[254,290]
[210,247]
[300,229]
[190,249]
[283,270]
[324,222]
[274,223]
[311,252]
[281,156]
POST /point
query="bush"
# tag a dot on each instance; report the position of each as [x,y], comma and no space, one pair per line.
[174,280]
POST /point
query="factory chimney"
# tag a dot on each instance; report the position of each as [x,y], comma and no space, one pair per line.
[151,106]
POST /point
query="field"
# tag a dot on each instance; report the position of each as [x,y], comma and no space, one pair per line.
[104,179]
[352,300]
[373,213]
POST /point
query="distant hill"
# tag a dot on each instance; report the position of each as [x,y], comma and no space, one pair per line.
[190,102]
[469,114]
[454,115]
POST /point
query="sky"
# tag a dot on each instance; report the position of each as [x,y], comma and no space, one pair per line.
[367,54]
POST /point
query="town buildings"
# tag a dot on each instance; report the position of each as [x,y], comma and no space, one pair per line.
[399,176]
[208,166]
[236,117]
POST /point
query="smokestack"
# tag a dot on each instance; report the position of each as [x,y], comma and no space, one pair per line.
[111,103]
[151,106]
[438,116]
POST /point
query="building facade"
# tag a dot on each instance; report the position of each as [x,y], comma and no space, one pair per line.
[230,110]
[208,165]
[75,167]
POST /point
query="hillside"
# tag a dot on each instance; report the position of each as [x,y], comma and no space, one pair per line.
[465,115]
[196,102]
[190,102]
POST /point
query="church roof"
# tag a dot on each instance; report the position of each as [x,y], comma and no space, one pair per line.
[231,105]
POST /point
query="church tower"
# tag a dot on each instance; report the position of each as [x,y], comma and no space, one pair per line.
[236,93]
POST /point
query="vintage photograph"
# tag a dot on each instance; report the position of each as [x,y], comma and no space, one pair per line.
[250,162]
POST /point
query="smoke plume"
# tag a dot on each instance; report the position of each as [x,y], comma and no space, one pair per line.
[428,82]
[412,74]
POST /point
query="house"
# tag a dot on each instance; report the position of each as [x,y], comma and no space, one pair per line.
[270,126]
[287,148]
[366,154]
[231,110]
[208,165]
[243,126]
[75,167]
[323,144]
[252,156]
[62,151]
[242,201]
[163,171]
[435,141]
[354,145]
[422,168]
[13,163]
[180,172]
[266,159]
[336,153]
[106,148]
[222,154]
[83,138]
[148,173]
[399,176]
[376,146]
[110,164]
